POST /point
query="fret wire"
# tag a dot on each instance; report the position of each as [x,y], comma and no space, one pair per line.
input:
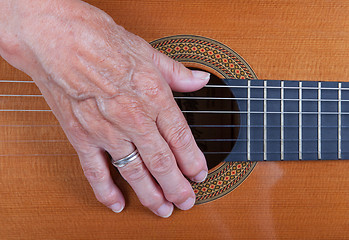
[248,120]
[300,147]
[339,121]
[282,121]
[265,121]
[319,121]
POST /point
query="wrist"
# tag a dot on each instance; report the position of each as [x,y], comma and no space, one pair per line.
[22,26]
[7,32]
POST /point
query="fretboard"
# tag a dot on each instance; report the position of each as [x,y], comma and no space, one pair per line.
[291,120]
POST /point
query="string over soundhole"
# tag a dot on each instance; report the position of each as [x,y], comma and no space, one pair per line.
[208,126]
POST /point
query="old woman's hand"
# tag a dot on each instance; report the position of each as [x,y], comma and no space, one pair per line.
[111,92]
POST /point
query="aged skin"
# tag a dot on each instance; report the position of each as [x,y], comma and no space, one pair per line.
[110,92]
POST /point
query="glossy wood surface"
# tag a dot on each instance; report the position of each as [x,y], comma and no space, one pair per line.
[47,197]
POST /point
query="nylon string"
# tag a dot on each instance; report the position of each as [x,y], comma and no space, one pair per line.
[249,113]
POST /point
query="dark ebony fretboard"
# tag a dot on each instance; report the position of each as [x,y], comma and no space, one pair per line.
[291,120]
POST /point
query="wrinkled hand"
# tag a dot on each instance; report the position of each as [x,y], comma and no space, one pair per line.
[110,92]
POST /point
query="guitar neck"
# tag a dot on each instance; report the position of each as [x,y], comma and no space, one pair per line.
[291,120]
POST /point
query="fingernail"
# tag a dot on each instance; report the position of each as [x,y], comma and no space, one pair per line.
[187,204]
[201,75]
[200,177]
[117,207]
[165,210]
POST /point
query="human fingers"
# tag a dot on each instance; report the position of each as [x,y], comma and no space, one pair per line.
[179,78]
[147,190]
[171,122]
[95,166]
[175,130]
[161,163]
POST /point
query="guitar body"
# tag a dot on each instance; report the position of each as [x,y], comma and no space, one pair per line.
[44,194]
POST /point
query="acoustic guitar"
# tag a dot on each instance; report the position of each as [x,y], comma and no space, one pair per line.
[276,148]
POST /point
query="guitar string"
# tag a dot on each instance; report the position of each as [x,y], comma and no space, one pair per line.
[290,152]
[257,112]
[197,140]
[190,125]
[30,125]
[207,153]
[200,112]
[230,79]
[269,140]
[274,87]
[37,155]
[16,81]
[259,99]
[215,98]
[241,86]
[207,86]
[257,126]
[28,141]
[249,112]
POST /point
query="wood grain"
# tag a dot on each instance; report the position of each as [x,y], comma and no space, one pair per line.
[45,196]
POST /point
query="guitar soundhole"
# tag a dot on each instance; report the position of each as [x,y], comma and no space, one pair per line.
[213,132]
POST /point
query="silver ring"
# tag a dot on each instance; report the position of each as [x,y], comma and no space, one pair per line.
[125,160]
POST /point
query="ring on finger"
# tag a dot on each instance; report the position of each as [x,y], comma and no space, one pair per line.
[125,160]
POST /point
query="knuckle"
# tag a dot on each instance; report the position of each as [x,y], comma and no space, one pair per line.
[130,105]
[95,175]
[151,201]
[107,199]
[143,126]
[161,163]
[134,172]
[133,115]
[179,196]
[75,128]
[177,68]
[180,137]
[153,88]
[193,168]
[149,82]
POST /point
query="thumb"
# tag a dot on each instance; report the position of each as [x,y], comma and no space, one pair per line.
[180,78]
